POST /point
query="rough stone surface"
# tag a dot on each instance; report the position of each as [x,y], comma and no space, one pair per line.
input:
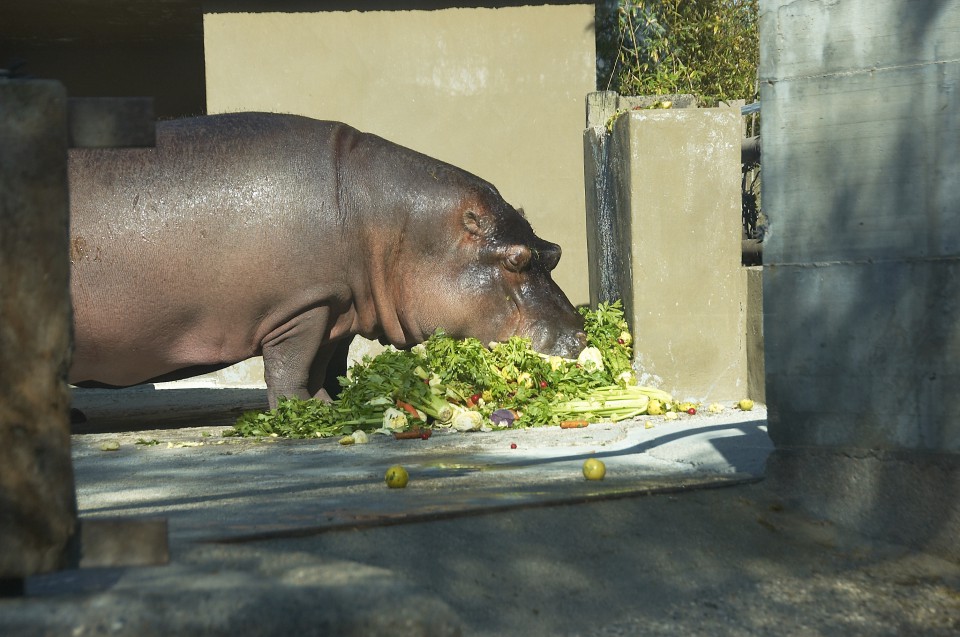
[37,506]
[213,488]
[237,591]
[346,555]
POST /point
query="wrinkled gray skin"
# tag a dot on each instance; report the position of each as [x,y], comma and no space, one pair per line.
[252,233]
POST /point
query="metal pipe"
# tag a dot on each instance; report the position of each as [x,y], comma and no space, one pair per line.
[750,150]
[751,252]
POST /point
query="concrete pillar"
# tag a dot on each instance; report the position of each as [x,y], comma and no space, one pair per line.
[861,184]
[677,172]
[37,503]
[606,260]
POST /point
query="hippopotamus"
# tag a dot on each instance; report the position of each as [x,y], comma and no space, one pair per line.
[251,234]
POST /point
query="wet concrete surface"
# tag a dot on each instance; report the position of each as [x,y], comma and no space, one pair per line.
[278,536]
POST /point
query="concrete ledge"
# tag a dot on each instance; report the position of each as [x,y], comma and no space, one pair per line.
[907,497]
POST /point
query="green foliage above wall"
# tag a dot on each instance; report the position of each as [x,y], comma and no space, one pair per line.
[708,48]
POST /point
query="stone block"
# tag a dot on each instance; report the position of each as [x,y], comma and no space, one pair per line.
[864,354]
[678,173]
[37,502]
[861,173]
[864,166]
[607,262]
[906,497]
[800,39]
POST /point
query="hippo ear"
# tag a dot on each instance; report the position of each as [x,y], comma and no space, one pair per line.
[516,257]
[549,255]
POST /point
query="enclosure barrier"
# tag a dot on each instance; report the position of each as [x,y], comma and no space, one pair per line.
[39,528]
[664,236]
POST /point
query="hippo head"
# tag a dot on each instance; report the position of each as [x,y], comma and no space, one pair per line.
[478,270]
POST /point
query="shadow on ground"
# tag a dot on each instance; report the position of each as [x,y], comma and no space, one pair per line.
[146,407]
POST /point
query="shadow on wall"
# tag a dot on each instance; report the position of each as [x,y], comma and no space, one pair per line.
[297,6]
[863,350]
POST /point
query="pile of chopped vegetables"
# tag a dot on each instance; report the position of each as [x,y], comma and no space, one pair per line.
[465,385]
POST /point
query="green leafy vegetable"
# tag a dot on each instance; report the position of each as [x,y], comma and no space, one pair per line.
[434,383]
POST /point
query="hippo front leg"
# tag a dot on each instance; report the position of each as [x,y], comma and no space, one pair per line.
[293,353]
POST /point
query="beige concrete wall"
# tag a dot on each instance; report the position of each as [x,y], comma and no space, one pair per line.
[498,92]
[685,290]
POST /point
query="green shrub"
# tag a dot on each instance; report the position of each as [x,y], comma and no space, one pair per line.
[708,48]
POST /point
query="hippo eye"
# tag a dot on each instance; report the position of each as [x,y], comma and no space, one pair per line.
[476,224]
[516,258]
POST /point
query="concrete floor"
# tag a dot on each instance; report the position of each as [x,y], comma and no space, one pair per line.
[272,538]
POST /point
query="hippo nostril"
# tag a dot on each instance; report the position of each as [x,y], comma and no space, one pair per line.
[571,345]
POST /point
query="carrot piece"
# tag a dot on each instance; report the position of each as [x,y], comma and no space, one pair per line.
[407,407]
[412,433]
[573,424]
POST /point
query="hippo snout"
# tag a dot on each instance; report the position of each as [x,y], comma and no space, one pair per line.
[566,344]
[571,346]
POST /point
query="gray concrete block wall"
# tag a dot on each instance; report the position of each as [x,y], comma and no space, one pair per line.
[864,354]
[861,177]
[860,101]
